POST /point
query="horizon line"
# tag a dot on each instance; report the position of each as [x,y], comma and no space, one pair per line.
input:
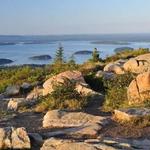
[84,34]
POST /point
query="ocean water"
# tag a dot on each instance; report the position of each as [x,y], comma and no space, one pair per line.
[20,48]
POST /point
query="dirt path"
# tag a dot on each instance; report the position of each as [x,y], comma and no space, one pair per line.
[30,120]
[33,123]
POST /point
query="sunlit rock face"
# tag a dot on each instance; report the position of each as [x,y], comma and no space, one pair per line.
[12,90]
[75,76]
[60,78]
[139,89]
[14,138]
[82,123]
[138,64]
[114,67]
[124,115]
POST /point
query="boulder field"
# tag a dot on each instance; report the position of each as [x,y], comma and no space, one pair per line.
[137,65]
[77,130]
[63,130]
[48,87]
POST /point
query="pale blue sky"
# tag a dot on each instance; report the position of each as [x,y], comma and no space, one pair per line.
[74,16]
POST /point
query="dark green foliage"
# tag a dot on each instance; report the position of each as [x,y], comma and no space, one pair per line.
[96,83]
[60,65]
[147,104]
[18,75]
[116,91]
[95,55]
[90,67]
[72,61]
[58,68]
[65,90]
[64,96]
[59,57]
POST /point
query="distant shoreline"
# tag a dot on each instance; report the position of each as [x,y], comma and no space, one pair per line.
[124,37]
[23,65]
[20,48]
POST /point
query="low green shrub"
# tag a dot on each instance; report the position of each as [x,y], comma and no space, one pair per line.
[58,68]
[146,104]
[64,96]
[90,67]
[18,75]
[116,91]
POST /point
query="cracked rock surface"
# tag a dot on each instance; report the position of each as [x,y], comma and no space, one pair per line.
[139,89]
[81,123]
[14,138]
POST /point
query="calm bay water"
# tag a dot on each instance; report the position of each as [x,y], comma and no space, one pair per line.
[20,48]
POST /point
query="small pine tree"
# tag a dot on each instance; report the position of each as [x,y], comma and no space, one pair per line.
[59,57]
[72,60]
[95,55]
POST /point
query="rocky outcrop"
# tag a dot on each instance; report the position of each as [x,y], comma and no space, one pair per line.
[35,94]
[58,118]
[2,96]
[14,138]
[139,89]
[25,87]
[120,62]
[115,67]
[36,138]
[125,115]
[141,144]
[60,78]
[15,103]
[12,90]
[81,123]
[96,144]
[75,76]
[127,144]
[105,75]
[138,64]
[57,144]
[83,89]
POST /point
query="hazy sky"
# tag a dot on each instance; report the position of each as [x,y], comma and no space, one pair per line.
[74,16]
